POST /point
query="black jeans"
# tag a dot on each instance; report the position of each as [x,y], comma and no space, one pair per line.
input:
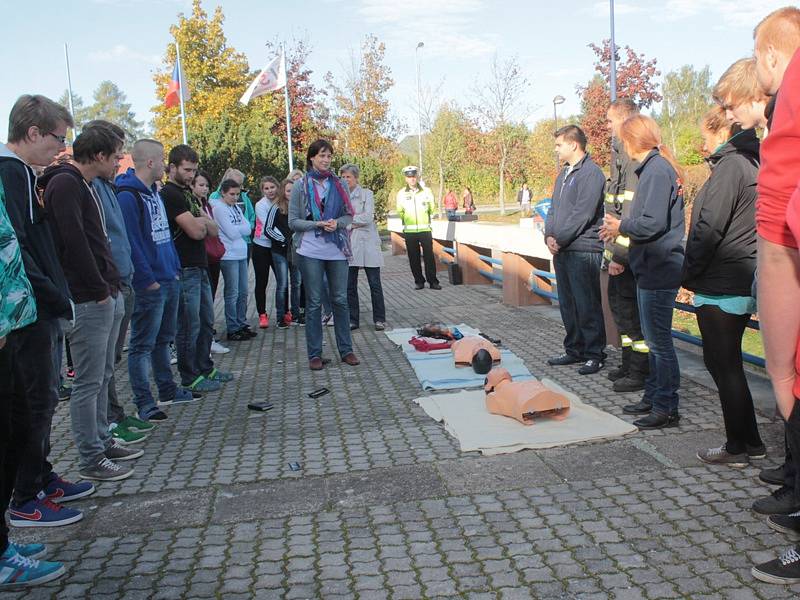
[213,278]
[13,437]
[578,286]
[375,290]
[625,308]
[415,241]
[791,467]
[262,263]
[722,353]
[34,396]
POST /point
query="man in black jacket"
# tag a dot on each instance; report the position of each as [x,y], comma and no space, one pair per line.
[572,235]
[36,134]
[630,376]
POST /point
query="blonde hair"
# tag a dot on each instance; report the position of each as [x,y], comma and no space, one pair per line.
[641,133]
[715,121]
[235,174]
[739,85]
[779,29]
[281,200]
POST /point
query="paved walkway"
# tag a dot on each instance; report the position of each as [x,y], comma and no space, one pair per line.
[386,506]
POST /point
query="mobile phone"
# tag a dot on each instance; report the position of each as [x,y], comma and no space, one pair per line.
[260,406]
[318,393]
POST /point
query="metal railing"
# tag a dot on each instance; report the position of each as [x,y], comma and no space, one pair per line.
[551,295]
[491,274]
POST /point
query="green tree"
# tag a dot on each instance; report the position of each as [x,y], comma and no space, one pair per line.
[445,149]
[687,96]
[77,106]
[110,104]
[497,108]
[215,74]
[360,109]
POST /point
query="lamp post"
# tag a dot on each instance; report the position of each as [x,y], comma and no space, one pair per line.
[612,77]
[419,107]
[556,101]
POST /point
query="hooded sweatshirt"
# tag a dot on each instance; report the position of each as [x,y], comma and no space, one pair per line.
[152,251]
[244,204]
[79,230]
[115,224]
[31,225]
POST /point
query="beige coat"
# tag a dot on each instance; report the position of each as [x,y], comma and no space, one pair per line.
[364,239]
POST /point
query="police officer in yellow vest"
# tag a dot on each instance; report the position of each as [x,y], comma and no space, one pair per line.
[415,207]
[631,374]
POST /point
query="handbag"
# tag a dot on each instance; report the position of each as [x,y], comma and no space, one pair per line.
[214,247]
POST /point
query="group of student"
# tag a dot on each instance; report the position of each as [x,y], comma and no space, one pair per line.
[102,257]
[740,244]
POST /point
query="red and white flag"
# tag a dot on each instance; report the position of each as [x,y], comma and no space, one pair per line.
[271,78]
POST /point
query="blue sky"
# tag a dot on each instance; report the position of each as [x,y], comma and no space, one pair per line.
[124,41]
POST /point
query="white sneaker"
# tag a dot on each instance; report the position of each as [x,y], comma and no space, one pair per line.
[217,348]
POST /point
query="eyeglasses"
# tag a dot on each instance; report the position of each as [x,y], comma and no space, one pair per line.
[62,139]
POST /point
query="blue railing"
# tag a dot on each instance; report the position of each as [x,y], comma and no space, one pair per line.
[451,252]
[491,274]
[540,291]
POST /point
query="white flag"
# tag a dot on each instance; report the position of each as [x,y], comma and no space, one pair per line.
[271,78]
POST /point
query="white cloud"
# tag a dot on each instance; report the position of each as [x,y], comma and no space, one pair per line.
[448,30]
[121,53]
[740,15]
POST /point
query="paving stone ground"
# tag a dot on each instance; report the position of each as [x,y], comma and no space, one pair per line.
[385,504]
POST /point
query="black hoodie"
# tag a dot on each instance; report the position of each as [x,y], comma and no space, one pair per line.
[721,246]
[30,221]
[80,234]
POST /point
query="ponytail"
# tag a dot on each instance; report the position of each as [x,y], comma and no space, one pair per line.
[670,158]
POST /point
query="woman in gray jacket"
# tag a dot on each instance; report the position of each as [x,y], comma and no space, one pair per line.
[366,247]
[319,213]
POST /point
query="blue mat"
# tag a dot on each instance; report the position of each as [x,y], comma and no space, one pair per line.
[436,370]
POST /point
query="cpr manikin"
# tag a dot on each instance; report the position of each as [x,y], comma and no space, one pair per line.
[465,348]
[522,400]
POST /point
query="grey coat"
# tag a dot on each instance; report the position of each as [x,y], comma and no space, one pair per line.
[364,239]
[300,220]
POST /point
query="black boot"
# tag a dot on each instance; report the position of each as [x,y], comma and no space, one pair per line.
[621,371]
[657,421]
[640,408]
[629,384]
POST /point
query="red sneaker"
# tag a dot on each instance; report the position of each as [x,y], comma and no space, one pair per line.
[263,321]
[287,318]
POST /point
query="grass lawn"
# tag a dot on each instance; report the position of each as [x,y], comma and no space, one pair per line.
[686,322]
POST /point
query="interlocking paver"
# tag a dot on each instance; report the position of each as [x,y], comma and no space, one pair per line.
[628,527]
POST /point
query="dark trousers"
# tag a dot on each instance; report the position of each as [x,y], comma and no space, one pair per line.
[213,278]
[625,308]
[722,353]
[791,468]
[195,325]
[661,386]
[423,240]
[14,432]
[375,290]
[262,263]
[34,397]
[578,286]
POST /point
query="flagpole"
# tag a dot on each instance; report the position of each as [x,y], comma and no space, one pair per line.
[288,112]
[180,91]
[69,90]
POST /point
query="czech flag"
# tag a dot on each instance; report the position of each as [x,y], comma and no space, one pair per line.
[173,97]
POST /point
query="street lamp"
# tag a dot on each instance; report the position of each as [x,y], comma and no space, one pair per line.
[556,101]
[419,107]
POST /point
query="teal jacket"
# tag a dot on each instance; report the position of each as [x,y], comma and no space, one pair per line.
[17,303]
[246,205]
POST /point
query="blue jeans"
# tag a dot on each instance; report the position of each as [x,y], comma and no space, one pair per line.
[314,270]
[578,286]
[153,324]
[234,272]
[195,325]
[280,266]
[375,290]
[296,280]
[661,386]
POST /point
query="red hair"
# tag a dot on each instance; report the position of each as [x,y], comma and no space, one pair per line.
[641,133]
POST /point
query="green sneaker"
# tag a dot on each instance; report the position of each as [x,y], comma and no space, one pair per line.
[203,384]
[137,425]
[125,436]
[221,376]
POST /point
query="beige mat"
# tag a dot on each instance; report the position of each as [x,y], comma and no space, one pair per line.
[465,417]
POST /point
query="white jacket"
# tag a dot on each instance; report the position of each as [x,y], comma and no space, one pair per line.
[364,239]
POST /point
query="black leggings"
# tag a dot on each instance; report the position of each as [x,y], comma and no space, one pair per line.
[722,353]
[262,261]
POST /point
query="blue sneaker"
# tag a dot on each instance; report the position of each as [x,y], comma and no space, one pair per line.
[221,376]
[28,550]
[60,491]
[17,571]
[41,512]
[152,413]
[182,396]
[204,384]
